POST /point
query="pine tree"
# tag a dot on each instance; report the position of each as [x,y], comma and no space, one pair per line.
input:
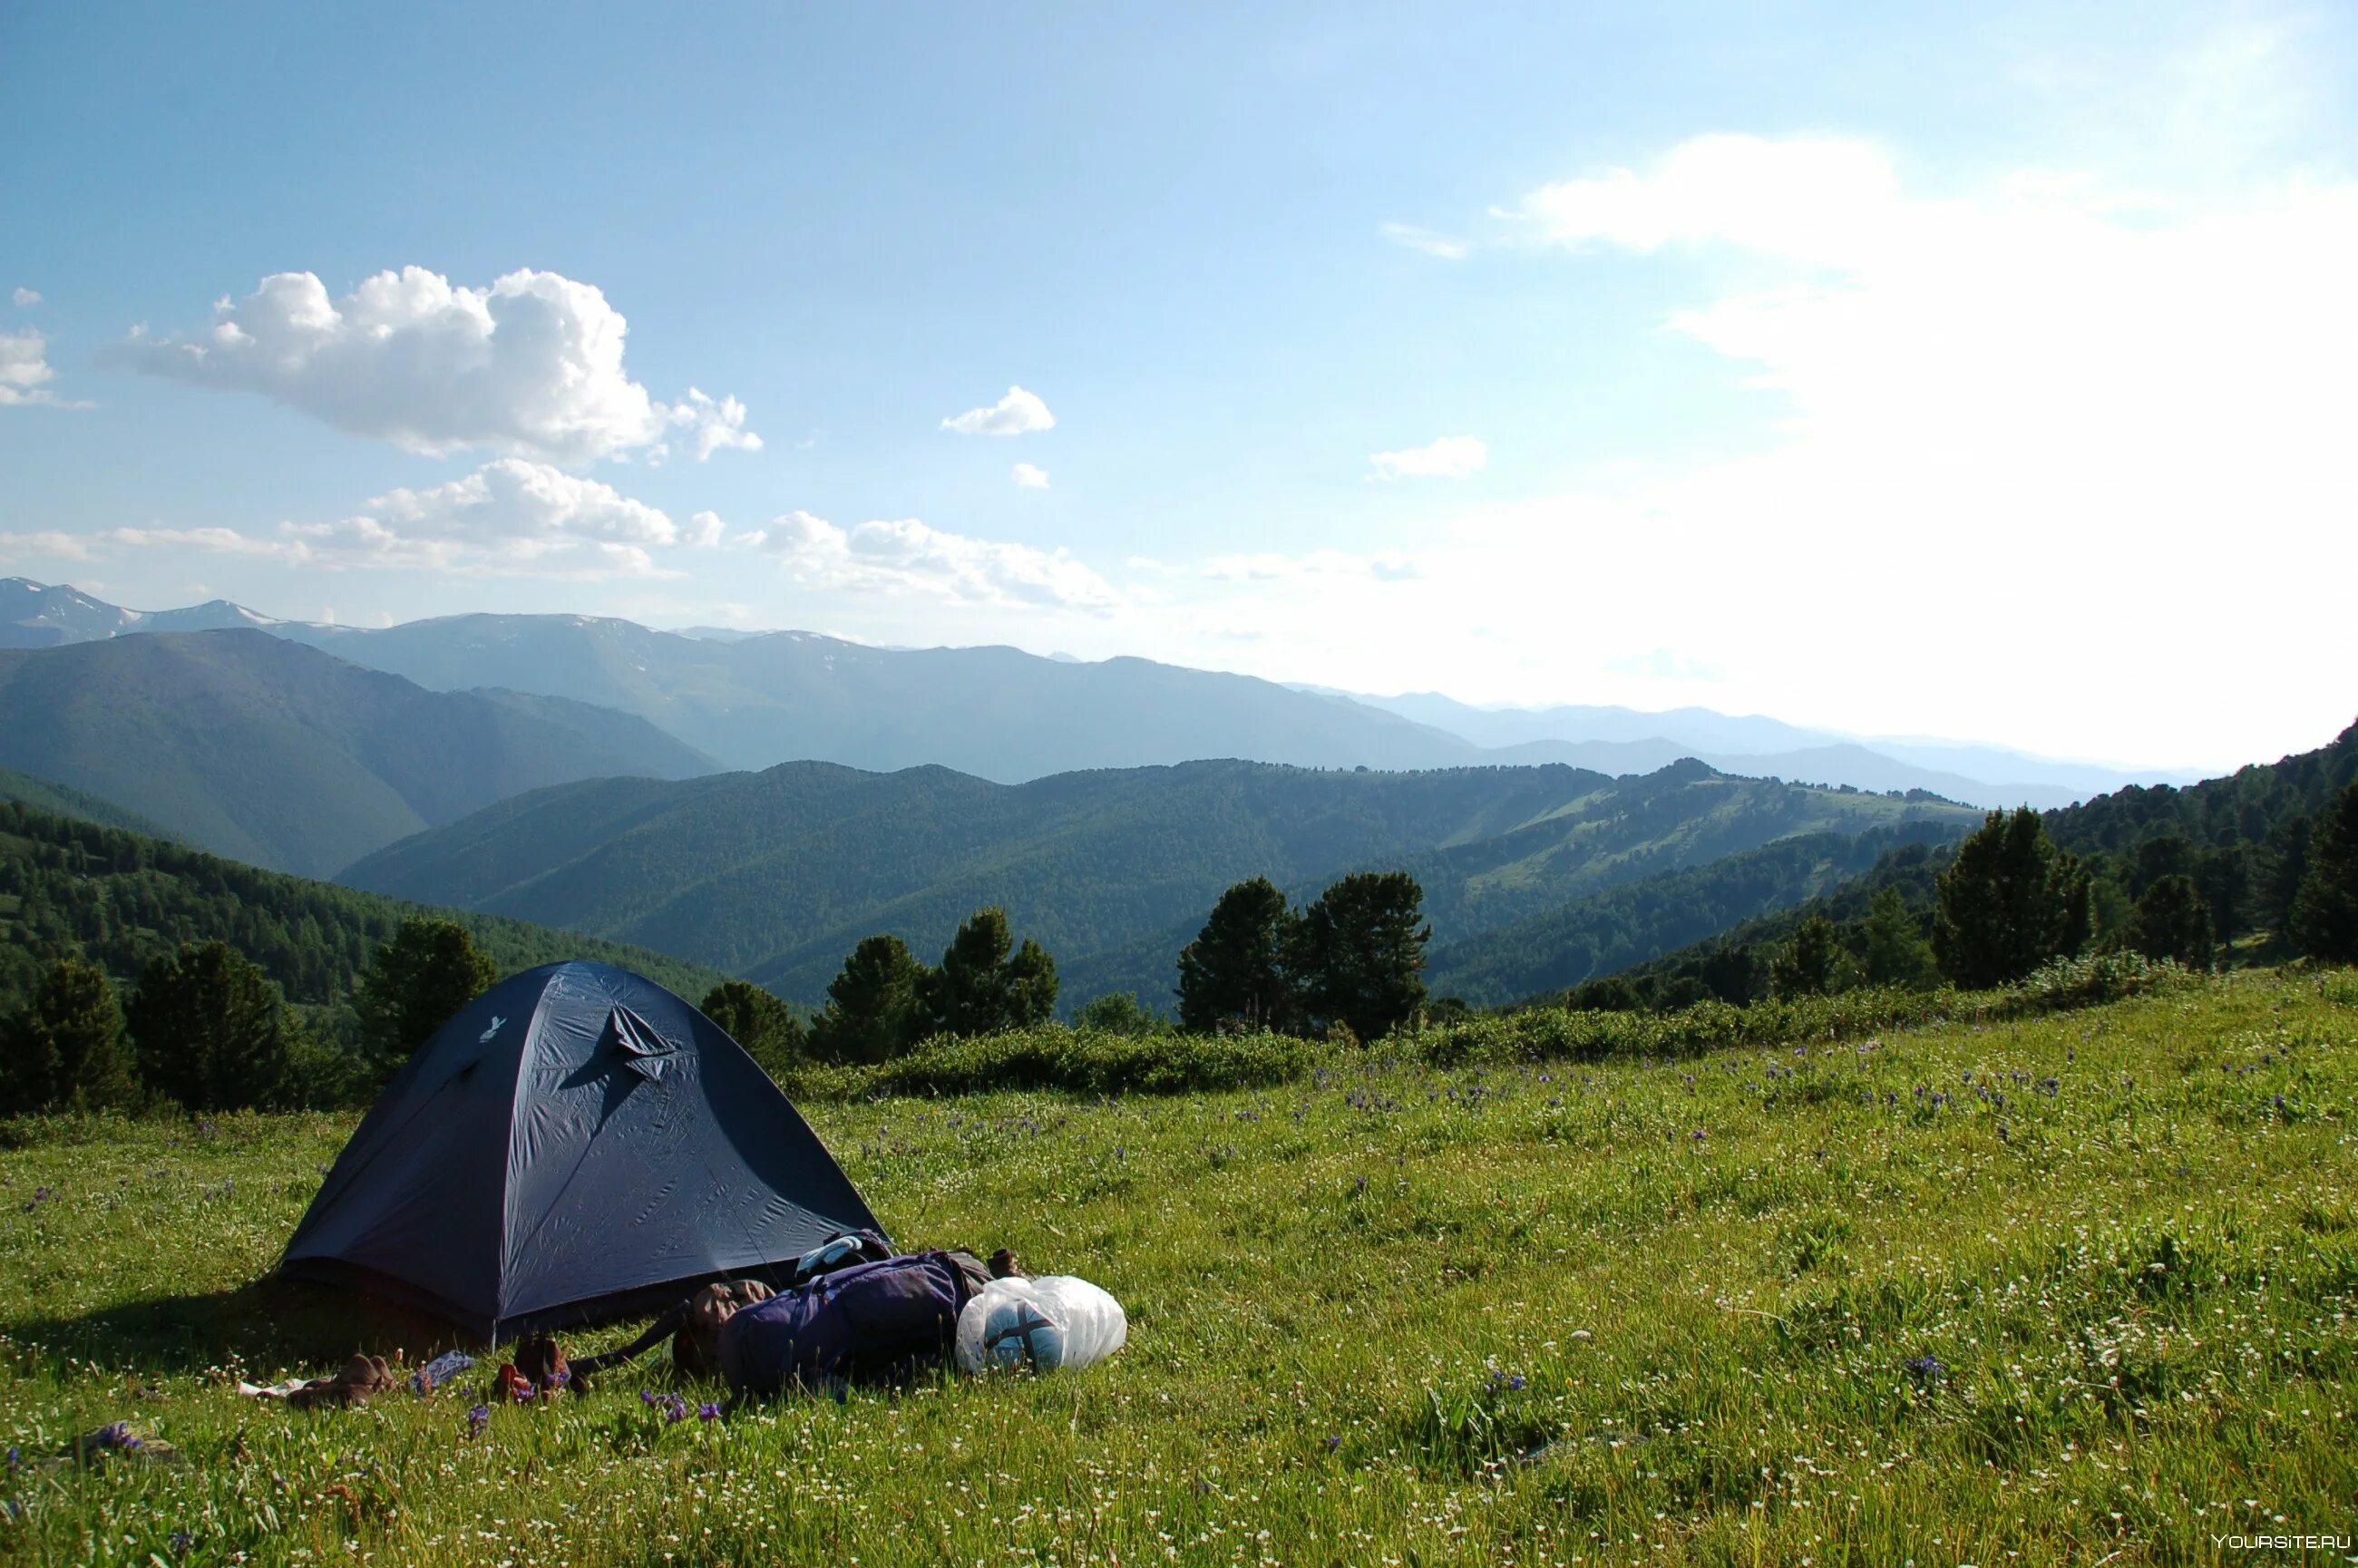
[31,1069]
[211,1029]
[876,1007]
[415,983]
[2325,911]
[2008,903]
[967,994]
[1897,952]
[1806,966]
[1361,949]
[2172,920]
[982,987]
[759,1022]
[1235,969]
[1031,986]
[2283,866]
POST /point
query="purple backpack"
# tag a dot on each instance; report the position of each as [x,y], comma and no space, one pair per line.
[875,1319]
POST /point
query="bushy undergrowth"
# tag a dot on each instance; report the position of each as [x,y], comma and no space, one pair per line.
[1095,1061]
[1078,1061]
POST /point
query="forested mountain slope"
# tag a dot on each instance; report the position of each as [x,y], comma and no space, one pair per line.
[778,874]
[1625,925]
[77,889]
[61,800]
[2241,838]
[282,756]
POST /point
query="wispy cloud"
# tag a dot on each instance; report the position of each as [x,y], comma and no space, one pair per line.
[1018,413]
[1030,476]
[1432,243]
[906,555]
[1451,456]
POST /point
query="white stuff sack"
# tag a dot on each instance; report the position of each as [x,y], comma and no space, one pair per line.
[1058,1322]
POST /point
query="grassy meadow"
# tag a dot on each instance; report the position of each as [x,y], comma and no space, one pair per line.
[2074,1289]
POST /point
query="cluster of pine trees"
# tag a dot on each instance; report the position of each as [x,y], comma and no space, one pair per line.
[1352,961]
[2011,898]
[884,1001]
[206,1029]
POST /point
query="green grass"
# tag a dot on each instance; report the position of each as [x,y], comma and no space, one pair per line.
[1381,1313]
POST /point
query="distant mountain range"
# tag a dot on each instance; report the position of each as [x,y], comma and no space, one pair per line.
[752,701]
[279,755]
[1624,740]
[35,615]
[776,875]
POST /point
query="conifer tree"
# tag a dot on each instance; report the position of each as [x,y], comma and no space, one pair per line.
[414,984]
[1236,970]
[66,1048]
[210,1030]
[758,1020]
[969,993]
[2008,903]
[2325,911]
[1031,986]
[876,1007]
[2172,920]
[1362,951]
[1806,966]
[1897,952]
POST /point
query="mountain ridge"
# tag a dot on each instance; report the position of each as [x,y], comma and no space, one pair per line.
[285,757]
[752,699]
[777,874]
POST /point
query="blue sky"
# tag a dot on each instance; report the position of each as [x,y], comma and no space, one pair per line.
[1787,358]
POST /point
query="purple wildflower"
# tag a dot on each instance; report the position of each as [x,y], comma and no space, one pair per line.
[1334,1442]
[1515,1384]
[477,1419]
[1925,1369]
[646,1396]
[180,1542]
[708,1412]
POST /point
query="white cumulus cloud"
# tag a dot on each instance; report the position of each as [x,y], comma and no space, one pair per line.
[509,518]
[24,296]
[1030,476]
[1018,413]
[1451,456]
[531,366]
[906,555]
[25,370]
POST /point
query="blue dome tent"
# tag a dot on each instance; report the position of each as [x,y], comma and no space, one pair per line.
[576,1143]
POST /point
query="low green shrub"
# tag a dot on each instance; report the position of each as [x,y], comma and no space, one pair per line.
[1081,1061]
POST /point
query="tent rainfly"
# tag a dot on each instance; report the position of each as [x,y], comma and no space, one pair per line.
[576,1143]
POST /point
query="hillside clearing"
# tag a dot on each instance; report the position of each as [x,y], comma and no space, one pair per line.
[2041,1291]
